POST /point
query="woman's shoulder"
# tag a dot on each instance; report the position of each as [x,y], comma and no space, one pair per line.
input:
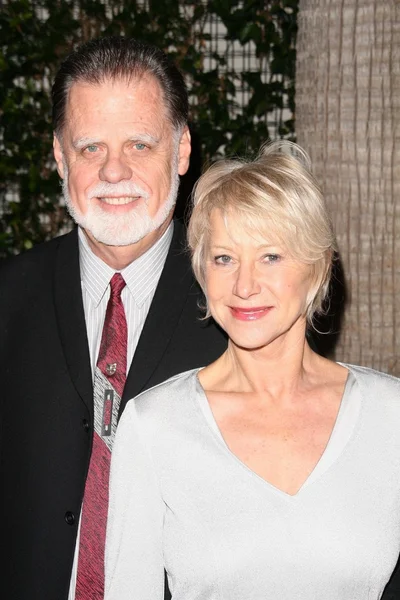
[165,396]
[373,381]
[157,414]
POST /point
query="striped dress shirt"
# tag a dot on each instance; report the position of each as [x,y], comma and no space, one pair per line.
[141,278]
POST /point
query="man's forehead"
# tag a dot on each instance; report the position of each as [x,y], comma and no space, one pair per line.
[117,85]
[138,99]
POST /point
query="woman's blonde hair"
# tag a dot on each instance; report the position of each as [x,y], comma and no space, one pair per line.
[276,198]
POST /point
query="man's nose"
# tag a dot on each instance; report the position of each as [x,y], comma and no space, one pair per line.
[115,169]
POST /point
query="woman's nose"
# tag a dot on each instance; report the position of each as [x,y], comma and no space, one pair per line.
[246,283]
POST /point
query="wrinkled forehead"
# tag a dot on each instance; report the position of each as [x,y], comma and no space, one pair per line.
[141,92]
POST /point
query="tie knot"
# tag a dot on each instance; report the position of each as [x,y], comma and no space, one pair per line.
[117,284]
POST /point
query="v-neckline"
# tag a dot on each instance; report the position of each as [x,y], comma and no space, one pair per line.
[325,460]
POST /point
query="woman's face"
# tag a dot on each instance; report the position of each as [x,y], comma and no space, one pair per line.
[255,291]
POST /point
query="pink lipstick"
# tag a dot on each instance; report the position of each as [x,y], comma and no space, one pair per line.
[252,313]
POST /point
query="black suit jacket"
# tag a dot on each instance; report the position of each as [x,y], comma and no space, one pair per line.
[47,405]
[392,590]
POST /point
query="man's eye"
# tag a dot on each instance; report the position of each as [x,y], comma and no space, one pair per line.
[91,149]
[222,259]
[140,146]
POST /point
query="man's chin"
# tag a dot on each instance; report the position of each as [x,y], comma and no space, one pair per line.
[117,239]
[123,230]
[116,234]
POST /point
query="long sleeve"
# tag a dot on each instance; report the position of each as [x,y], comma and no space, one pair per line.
[134,557]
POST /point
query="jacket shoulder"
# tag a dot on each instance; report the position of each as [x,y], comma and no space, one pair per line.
[29,276]
[33,260]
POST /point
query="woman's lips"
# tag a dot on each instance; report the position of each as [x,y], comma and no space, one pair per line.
[250,314]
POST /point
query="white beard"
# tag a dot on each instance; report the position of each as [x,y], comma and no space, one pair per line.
[129,227]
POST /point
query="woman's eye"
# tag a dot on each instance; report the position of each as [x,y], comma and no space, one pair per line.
[272,258]
[222,259]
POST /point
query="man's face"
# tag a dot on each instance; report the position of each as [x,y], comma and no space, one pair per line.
[120,158]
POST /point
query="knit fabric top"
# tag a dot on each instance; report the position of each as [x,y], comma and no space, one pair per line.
[181,500]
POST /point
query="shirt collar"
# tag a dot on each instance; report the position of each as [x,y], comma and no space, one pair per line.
[141,276]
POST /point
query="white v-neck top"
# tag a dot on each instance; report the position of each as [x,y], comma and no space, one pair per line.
[181,500]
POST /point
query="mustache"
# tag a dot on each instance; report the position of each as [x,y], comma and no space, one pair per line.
[122,188]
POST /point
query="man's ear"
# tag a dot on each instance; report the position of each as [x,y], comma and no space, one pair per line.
[184,151]
[58,155]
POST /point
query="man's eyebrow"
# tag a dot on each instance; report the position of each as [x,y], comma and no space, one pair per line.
[144,137]
[85,141]
[80,143]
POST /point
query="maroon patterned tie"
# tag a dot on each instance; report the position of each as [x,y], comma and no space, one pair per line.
[109,381]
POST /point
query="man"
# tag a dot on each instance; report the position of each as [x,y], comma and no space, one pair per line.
[94,317]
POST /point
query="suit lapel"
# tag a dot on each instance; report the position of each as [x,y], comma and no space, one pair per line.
[71,318]
[168,302]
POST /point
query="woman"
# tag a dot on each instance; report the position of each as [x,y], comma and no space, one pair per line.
[273,472]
